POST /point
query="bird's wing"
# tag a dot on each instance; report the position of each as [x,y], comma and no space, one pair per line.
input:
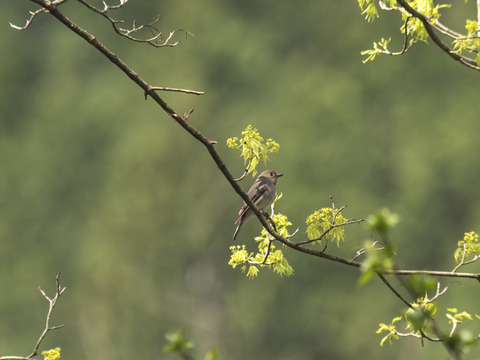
[254,195]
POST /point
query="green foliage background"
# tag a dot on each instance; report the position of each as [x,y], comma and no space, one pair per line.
[100,185]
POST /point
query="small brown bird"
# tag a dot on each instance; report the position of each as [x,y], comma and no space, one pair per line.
[262,193]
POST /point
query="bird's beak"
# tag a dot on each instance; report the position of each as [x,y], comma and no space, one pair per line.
[278,175]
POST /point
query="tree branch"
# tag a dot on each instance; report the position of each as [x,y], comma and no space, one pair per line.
[430,28]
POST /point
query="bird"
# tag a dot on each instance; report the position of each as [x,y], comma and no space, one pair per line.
[262,193]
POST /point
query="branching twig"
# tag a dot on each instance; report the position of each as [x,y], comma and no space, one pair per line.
[332,226]
[156,40]
[363,251]
[440,292]
[52,302]
[463,262]
[33,14]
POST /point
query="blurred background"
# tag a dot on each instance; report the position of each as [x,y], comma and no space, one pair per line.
[100,185]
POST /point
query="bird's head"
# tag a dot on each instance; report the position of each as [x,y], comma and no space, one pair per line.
[270,174]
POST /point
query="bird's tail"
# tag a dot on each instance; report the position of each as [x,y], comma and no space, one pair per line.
[237,230]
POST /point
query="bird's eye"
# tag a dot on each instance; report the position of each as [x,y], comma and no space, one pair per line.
[271,173]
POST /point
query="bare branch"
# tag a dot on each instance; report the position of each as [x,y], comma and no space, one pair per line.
[157,38]
[440,292]
[332,226]
[33,14]
[187,91]
[434,273]
[52,302]
[362,251]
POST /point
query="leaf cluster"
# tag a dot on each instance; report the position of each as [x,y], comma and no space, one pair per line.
[378,254]
[178,344]
[419,322]
[253,148]
[421,316]
[267,255]
[325,222]
[467,248]
[52,354]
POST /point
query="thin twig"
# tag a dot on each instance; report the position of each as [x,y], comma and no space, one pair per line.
[52,302]
[433,273]
[269,248]
[463,262]
[187,91]
[363,251]
[393,290]
[33,14]
[463,258]
[243,175]
[293,234]
[440,292]
[348,222]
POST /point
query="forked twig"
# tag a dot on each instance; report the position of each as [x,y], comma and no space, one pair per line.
[157,39]
[52,302]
